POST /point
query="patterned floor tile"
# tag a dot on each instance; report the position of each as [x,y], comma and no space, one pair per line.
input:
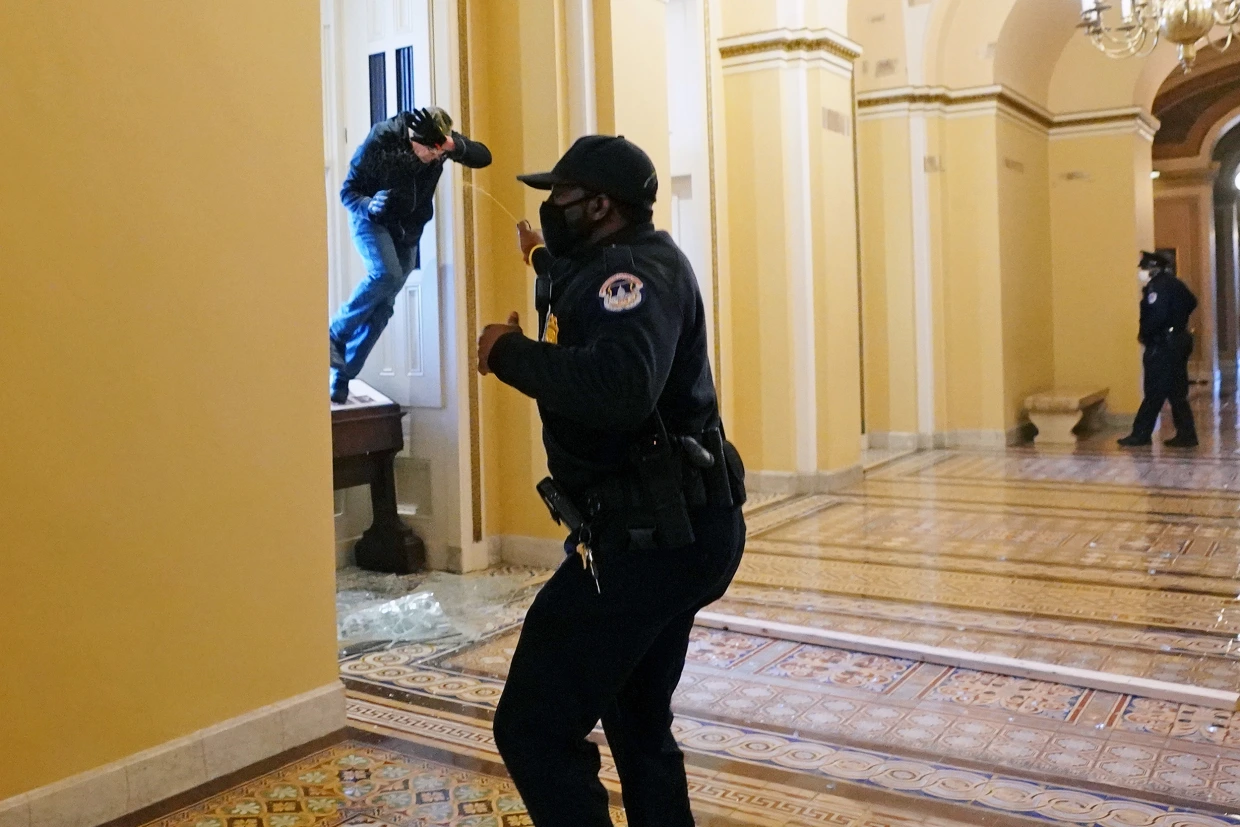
[966,687]
[1102,473]
[724,650]
[823,665]
[825,765]
[1183,721]
[959,715]
[1079,558]
[359,783]
[1163,609]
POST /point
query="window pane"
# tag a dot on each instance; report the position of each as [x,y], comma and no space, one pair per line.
[404,79]
[378,88]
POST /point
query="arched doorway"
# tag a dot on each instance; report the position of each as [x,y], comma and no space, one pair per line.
[1196,154]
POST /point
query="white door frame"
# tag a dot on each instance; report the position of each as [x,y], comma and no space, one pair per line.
[434,464]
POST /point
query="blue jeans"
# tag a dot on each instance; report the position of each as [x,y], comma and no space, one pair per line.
[363,317]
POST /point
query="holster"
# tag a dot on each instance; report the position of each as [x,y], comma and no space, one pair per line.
[670,477]
[563,509]
[660,474]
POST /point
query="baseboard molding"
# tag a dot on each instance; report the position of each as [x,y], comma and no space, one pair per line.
[344,553]
[145,778]
[893,440]
[789,482]
[906,441]
[1116,419]
[538,552]
[987,438]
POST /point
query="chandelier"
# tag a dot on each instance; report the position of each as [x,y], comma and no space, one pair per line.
[1142,23]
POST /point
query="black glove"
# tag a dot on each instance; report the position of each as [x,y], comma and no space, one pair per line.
[430,127]
[378,204]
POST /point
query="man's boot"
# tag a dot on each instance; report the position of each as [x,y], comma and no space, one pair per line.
[1134,441]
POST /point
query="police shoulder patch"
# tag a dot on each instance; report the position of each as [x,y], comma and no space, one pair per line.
[622,291]
[1152,297]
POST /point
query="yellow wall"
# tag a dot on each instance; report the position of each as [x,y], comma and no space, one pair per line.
[637,104]
[836,294]
[166,478]
[780,161]
[887,275]
[878,25]
[746,16]
[516,80]
[764,425]
[1101,216]
[1025,254]
[971,312]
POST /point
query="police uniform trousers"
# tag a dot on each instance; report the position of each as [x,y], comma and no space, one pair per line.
[1166,380]
[615,656]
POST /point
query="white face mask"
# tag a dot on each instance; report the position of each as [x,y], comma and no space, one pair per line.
[1143,276]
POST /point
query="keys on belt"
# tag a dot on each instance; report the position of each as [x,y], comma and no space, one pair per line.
[587,558]
[565,513]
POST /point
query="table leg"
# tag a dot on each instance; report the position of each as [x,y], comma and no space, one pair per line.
[388,545]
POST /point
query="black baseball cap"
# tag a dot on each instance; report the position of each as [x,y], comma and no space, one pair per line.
[607,164]
[1158,260]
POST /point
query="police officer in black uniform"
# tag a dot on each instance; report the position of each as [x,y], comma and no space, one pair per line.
[644,480]
[1166,304]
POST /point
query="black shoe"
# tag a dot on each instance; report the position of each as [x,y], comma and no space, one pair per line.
[340,394]
[1181,442]
[1134,441]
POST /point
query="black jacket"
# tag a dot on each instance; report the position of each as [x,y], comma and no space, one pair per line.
[627,331]
[1166,304]
[385,161]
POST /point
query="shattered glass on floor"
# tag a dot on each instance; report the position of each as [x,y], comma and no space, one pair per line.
[375,611]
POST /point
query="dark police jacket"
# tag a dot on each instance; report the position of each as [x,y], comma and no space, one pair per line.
[1166,304]
[627,331]
[385,161]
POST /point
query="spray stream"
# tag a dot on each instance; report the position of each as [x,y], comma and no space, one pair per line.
[477,188]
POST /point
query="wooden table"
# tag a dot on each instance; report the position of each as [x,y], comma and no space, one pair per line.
[366,436]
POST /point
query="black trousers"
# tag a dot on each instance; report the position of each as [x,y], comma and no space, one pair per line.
[1166,380]
[615,656]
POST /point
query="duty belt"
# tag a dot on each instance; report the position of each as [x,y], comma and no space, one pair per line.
[652,496]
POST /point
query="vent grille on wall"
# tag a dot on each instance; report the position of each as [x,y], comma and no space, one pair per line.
[835,121]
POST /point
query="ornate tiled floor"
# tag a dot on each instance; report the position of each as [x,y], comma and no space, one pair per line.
[1013,632]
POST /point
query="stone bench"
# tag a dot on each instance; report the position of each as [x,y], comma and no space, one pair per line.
[1057,413]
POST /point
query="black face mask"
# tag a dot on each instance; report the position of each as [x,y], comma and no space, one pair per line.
[561,235]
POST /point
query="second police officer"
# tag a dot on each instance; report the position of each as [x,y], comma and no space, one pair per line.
[1166,304]
[641,475]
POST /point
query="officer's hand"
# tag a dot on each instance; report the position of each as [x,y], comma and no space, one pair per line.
[528,239]
[490,335]
[378,204]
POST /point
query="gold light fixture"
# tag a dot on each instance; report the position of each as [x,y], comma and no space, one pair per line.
[1142,23]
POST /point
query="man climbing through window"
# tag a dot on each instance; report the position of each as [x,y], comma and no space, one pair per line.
[390,195]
